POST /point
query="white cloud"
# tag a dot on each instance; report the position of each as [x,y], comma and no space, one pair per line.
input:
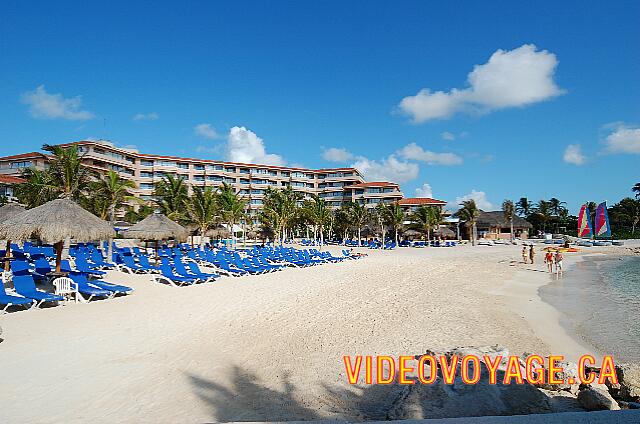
[511,78]
[389,169]
[335,154]
[573,154]
[424,191]
[206,131]
[146,116]
[245,146]
[480,198]
[623,139]
[43,105]
[448,136]
[414,152]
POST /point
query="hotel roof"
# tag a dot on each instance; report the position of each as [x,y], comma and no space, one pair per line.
[373,184]
[10,179]
[420,201]
[24,156]
[135,153]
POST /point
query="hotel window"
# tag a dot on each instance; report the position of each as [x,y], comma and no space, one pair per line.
[297,184]
[145,174]
[285,173]
[146,197]
[244,171]
[230,169]
[259,181]
[218,168]
[256,191]
[273,173]
[297,175]
[146,186]
[373,200]
[309,176]
[214,178]
[199,167]
[166,163]
[82,149]
[183,165]
[374,190]
[322,176]
[309,185]
[245,181]
[198,177]
[347,174]
[388,190]
[146,162]
[260,171]
[23,164]
[256,201]
[273,183]
[230,180]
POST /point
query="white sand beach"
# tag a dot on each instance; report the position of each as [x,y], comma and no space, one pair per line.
[267,347]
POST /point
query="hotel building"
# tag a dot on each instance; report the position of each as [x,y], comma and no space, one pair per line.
[335,185]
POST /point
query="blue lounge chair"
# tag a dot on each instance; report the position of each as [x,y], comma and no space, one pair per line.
[169,276]
[195,269]
[25,286]
[86,289]
[97,287]
[146,265]
[129,265]
[11,300]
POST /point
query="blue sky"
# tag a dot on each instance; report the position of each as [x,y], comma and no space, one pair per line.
[516,100]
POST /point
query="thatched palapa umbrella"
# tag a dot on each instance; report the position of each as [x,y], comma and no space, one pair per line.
[53,222]
[219,231]
[444,232]
[8,211]
[157,227]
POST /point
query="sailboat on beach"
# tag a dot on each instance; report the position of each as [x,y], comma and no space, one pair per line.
[601,229]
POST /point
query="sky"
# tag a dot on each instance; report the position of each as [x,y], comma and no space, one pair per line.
[453,100]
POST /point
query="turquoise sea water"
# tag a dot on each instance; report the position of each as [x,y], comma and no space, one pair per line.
[600,298]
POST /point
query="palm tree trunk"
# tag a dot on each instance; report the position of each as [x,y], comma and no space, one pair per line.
[359,238]
[7,256]
[473,234]
[110,241]
[396,236]
[321,238]
[511,228]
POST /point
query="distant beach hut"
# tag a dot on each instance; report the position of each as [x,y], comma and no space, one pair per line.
[411,233]
[157,227]
[9,211]
[444,232]
[55,221]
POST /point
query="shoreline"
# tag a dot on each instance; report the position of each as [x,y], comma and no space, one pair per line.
[549,324]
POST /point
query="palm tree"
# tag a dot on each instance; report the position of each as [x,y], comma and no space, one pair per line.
[636,190]
[112,191]
[316,211]
[232,207]
[202,208]
[524,207]
[425,218]
[68,175]
[357,216]
[132,216]
[555,206]
[469,213]
[508,209]
[395,218]
[380,215]
[342,220]
[170,195]
[280,209]
[543,211]
[37,189]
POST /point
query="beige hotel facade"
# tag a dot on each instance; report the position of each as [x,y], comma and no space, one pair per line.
[335,185]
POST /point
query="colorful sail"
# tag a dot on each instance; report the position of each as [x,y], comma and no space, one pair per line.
[602,221]
[584,222]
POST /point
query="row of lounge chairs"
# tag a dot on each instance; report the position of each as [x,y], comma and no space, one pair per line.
[32,266]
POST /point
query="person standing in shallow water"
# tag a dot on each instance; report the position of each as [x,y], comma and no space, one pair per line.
[532,253]
[548,259]
[558,259]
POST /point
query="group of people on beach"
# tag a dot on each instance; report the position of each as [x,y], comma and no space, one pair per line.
[551,258]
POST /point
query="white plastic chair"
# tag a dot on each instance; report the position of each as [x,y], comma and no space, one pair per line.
[64,286]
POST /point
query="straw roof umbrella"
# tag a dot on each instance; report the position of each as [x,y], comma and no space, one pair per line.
[219,232]
[7,211]
[157,227]
[444,232]
[53,222]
